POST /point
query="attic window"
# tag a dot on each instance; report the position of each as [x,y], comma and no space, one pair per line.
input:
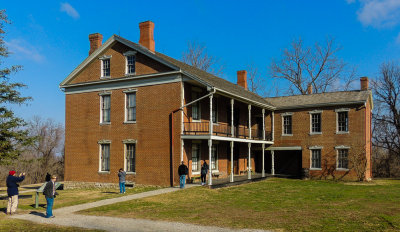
[130,62]
[105,66]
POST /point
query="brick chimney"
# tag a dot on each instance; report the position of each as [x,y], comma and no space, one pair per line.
[95,42]
[147,35]
[309,89]
[242,78]
[364,83]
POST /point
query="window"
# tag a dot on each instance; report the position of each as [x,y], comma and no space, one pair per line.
[342,121]
[316,158]
[343,159]
[287,124]
[215,110]
[104,157]
[130,156]
[316,123]
[196,106]
[130,107]
[130,64]
[214,157]
[105,68]
[195,157]
[105,108]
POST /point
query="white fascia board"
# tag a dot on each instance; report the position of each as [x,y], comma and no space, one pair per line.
[222,138]
[293,148]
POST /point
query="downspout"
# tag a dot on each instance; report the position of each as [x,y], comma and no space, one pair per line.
[171,115]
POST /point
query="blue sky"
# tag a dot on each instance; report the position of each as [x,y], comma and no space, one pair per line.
[50,38]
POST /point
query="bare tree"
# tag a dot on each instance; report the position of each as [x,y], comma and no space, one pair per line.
[255,82]
[318,66]
[197,56]
[386,118]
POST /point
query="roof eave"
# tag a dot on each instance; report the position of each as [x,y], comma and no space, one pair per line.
[320,105]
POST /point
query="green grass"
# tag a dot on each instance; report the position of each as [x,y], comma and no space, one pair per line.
[278,204]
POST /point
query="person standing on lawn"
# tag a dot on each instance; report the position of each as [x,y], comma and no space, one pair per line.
[121,176]
[50,193]
[12,191]
[182,171]
[204,171]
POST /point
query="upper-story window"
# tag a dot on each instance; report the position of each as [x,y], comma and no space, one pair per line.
[215,110]
[342,124]
[105,66]
[315,122]
[130,106]
[130,62]
[196,110]
[287,124]
[105,102]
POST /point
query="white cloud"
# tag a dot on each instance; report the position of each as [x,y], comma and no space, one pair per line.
[23,50]
[379,13]
[67,8]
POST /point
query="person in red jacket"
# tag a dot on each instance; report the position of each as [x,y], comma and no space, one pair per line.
[12,191]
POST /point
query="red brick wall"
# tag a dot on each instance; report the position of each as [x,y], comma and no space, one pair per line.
[83,131]
[355,139]
[144,65]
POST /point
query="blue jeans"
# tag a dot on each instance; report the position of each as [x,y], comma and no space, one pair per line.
[182,180]
[49,209]
[121,187]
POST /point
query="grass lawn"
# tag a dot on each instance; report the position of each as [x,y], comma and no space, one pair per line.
[66,198]
[277,204]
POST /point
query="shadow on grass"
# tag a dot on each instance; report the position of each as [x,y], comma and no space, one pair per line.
[38,213]
[39,206]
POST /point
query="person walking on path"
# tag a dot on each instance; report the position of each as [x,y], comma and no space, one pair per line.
[204,171]
[50,193]
[121,176]
[12,191]
[182,171]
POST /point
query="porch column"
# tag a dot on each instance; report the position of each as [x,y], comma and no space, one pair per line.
[232,126]
[263,168]
[263,124]
[249,163]
[272,125]
[231,177]
[209,162]
[182,147]
[249,121]
[211,120]
[272,162]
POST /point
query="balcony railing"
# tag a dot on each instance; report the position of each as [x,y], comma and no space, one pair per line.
[223,129]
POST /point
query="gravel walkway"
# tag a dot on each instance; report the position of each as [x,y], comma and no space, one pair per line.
[66,217]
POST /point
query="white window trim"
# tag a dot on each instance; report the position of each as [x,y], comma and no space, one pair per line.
[126,54]
[126,112]
[102,58]
[283,122]
[337,120]
[102,142]
[341,147]
[125,142]
[311,113]
[197,90]
[191,158]
[311,149]
[101,94]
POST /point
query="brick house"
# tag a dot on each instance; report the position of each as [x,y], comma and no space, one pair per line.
[129,106]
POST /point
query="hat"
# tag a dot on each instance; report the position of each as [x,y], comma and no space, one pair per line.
[11,173]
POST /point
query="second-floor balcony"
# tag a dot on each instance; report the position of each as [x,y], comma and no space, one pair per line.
[223,129]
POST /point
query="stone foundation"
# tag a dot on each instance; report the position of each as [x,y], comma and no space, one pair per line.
[82,185]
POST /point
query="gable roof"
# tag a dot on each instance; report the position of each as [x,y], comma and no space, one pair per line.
[199,75]
[322,99]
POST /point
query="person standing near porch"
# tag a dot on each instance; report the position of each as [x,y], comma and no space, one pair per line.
[182,171]
[204,171]
[12,191]
[121,177]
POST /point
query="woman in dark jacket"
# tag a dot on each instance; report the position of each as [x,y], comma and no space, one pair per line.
[12,191]
[204,170]
[49,192]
